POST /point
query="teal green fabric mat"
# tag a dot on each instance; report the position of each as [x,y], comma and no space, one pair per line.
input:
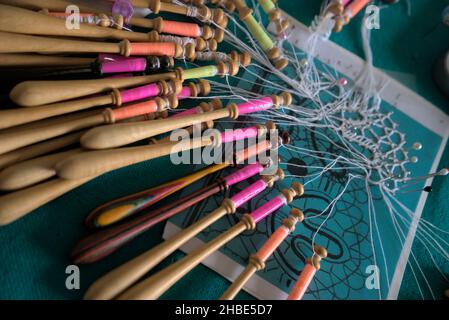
[34,251]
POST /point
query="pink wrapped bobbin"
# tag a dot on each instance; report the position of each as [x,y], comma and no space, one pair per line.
[125,65]
[268,208]
[248,193]
[239,134]
[243,174]
[185,93]
[255,105]
[139,93]
[304,280]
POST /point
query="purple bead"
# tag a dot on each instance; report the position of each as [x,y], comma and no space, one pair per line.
[123,8]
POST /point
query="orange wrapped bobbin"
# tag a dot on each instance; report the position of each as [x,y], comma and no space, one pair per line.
[307,274]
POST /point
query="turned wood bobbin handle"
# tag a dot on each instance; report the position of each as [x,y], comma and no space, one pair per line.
[107,160]
[11,20]
[34,60]
[14,140]
[30,172]
[14,117]
[35,93]
[17,204]
[38,149]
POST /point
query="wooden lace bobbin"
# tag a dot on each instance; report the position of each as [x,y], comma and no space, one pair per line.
[118,209]
[34,93]
[154,286]
[221,69]
[39,169]
[103,6]
[98,19]
[146,117]
[160,88]
[107,64]
[257,261]
[187,132]
[353,8]
[190,44]
[121,134]
[15,140]
[264,40]
[11,20]
[14,117]
[117,280]
[105,241]
[203,107]
[95,162]
[98,6]
[243,59]
[17,43]
[13,206]
[201,12]
[201,88]
[185,29]
[43,123]
[30,172]
[95,69]
[215,104]
[38,149]
[305,278]
[33,60]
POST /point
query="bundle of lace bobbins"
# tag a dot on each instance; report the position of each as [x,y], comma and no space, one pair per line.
[83,95]
[90,79]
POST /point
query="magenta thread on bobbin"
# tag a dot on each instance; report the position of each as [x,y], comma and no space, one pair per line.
[185,93]
[243,174]
[268,208]
[139,93]
[239,134]
[255,105]
[128,65]
[248,193]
